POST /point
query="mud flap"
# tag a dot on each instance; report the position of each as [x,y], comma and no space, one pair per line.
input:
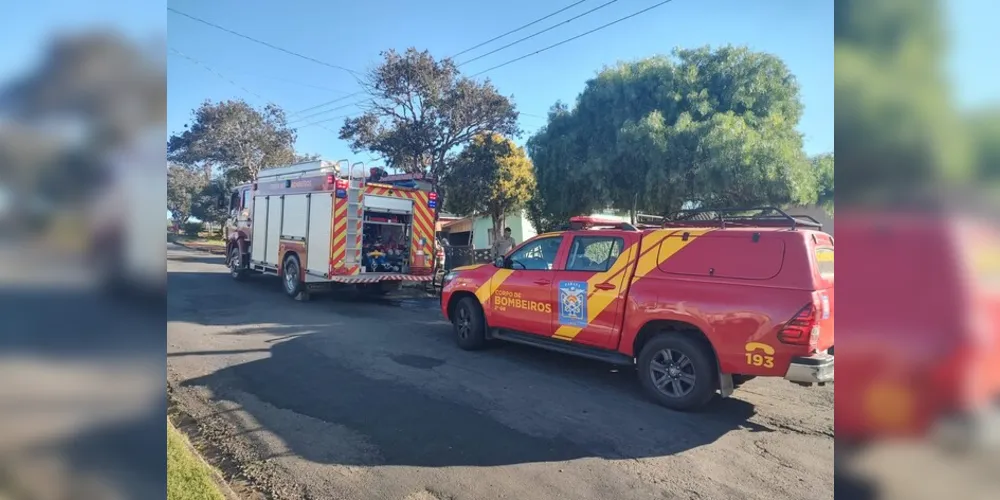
[725,385]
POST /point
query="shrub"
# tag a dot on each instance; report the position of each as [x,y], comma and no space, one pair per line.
[193,228]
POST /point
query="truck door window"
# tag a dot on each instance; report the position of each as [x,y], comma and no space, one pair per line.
[234,203]
[594,253]
[246,200]
[538,255]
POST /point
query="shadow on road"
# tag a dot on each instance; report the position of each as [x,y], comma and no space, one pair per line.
[415,427]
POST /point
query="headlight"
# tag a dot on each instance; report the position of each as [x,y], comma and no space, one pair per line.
[448,277]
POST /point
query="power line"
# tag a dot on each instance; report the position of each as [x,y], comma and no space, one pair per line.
[304,118]
[581,35]
[216,73]
[227,79]
[348,115]
[261,42]
[269,77]
[327,103]
[550,28]
[515,30]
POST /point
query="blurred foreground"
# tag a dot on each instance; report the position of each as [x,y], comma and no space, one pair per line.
[919,336]
[83,276]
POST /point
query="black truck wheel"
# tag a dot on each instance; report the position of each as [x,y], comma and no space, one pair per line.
[470,324]
[678,372]
[236,267]
[290,279]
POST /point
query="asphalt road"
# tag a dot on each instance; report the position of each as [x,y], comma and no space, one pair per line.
[345,397]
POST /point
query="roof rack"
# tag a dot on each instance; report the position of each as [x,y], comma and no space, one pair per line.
[743,217]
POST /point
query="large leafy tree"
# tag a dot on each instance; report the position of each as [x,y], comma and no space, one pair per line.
[710,126]
[491,176]
[184,185]
[563,187]
[235,138]
[420,110]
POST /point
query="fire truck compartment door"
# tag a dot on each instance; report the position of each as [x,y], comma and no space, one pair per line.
[386,204]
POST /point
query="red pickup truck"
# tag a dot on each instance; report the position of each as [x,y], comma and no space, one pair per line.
[698,305]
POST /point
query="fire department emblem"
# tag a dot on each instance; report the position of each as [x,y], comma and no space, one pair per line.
[573,303]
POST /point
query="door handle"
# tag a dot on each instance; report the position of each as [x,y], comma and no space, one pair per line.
[604,286]
[543,282]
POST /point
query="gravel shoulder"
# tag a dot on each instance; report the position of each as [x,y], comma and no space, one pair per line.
[346,397]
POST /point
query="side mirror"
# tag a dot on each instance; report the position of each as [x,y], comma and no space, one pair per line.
[499,262]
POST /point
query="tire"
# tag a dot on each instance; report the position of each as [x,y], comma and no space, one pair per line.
[236,268]
[691,376]
[290,280]
[469,324]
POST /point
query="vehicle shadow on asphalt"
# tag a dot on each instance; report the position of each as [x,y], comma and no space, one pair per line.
[414,427]
[206,259]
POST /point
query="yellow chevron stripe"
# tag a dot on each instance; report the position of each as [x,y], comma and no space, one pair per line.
[486,290]
[656,251]
[669,247]
[599,300]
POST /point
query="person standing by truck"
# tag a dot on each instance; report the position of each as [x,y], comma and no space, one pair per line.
[503,244]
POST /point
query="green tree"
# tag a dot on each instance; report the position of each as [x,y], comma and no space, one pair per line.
[421,109]
[710,126]
[302,158]
[563,187]
[236,138]
[823,169]
[205,203]
[491,176]
[184,184]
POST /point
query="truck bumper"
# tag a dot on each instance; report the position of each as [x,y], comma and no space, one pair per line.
[809,370]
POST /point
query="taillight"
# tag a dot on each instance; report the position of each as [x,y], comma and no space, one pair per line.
[803,329]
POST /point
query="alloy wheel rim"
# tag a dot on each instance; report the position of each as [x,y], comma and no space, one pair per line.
[672,373]
[464,323]
[291,273]
[234,261]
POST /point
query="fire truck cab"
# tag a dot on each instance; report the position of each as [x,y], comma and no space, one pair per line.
[318,225]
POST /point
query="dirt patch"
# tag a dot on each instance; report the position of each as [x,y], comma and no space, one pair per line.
[238,485]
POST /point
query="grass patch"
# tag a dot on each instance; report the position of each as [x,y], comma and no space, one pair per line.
[188,477]
[203,239]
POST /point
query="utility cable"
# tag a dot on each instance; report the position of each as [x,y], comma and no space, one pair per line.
[515,30]
[550,28]
[229,80]
[581,35]
[261,42]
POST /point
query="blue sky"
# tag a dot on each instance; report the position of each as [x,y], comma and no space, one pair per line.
[352,34]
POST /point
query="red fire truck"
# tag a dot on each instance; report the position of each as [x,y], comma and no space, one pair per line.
[321,224]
